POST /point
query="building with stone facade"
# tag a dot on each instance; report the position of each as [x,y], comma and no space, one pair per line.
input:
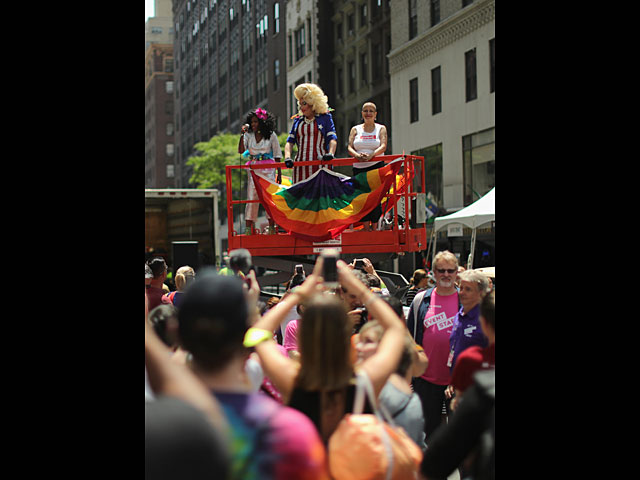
[361,34]
[442,66]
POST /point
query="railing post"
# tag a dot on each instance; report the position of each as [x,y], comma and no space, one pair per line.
[229,205]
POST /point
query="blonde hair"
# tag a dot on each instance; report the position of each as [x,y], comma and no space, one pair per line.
[182,276]
[313,95]
[446,256]
[408,350]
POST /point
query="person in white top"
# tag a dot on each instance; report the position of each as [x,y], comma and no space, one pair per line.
[259,144]
[366,141]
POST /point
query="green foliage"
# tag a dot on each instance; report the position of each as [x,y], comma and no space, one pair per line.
[212,157]
[210,161]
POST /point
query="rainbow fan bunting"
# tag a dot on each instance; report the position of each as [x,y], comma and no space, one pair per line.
[322,206]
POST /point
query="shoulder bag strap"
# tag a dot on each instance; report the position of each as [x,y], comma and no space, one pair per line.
[417,302]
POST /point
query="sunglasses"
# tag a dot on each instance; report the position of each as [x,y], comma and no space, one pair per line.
[448,270]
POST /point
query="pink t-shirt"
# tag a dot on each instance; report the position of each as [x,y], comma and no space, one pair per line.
[290,341]
[438,323]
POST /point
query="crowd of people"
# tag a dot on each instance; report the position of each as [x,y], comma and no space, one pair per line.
[253,389]
[240,388]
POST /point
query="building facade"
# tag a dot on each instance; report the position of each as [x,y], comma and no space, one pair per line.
[442,67]
[229,60]
[361,40]
[159,142]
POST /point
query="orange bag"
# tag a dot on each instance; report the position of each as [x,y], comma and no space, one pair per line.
[366,447]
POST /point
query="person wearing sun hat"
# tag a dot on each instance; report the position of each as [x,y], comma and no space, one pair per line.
[259,145]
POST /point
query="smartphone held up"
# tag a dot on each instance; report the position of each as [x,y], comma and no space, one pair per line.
[329,267]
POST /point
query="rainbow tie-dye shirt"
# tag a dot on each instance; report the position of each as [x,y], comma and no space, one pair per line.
[271,441]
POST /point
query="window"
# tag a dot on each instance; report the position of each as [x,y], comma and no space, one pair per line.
[299,39]
[435,12]
[350,23]
[479,164]
[339,82]
[352,77]
[436,91]
[471,84]
[492,65]
[413,18]
[363,15]
[376,61]
[276,74]
[169,129]
[413,100]
[169,150]
[168,87]
[339,31]
[170,171]
[433,172]
[290,51]
[363,69]
[276,17]
[292,101]
[309,43]
[261,86]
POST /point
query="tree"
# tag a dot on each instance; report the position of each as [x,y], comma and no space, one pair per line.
[211,159]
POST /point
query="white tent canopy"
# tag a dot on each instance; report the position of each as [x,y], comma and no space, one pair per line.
[478,213]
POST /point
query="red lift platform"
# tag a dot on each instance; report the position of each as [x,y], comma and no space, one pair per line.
[409,237]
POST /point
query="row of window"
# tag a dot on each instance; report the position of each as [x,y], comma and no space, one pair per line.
[471,83]
[478,165]
[378,68]
[434,15]
[363,15]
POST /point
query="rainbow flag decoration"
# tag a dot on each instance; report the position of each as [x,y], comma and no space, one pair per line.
[320,207]
[401,185]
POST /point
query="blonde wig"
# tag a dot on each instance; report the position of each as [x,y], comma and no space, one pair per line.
[313,95]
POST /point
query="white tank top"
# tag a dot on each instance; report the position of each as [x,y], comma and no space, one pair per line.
[366,142]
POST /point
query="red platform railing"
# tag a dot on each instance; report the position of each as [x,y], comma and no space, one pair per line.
[397,239]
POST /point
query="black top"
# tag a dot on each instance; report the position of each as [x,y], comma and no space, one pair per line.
[332,404]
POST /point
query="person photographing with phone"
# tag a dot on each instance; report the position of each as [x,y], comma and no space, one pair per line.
[322,384]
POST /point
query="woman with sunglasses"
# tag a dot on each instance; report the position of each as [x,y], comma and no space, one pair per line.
[430,321]
[312,131]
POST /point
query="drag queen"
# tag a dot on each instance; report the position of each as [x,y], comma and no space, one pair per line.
[259,144]
[312,131]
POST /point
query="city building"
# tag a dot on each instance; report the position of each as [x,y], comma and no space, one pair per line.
[159,28]
[229,58]
[442,67]
[361,40]
[159,169]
